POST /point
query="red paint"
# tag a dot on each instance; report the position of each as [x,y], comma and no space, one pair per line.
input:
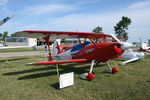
[101,52]
[47,40]
[58,48]
[114,70]
[80,34]
[119,51]
[61,61]
[90,76]
[145,50]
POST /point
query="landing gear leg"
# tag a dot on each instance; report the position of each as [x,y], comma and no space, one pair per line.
[89,76]
[92,64]
[109,70]
[108,65]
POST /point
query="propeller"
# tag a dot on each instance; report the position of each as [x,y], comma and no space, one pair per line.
[124,45]
[116,38]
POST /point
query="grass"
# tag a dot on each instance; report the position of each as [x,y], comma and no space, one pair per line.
[20,82]
[20,50]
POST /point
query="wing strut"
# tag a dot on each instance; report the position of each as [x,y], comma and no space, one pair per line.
[81,42]
[92,40]
[47,40]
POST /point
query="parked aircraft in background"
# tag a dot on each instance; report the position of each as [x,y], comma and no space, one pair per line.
[132,56]
[2,22]
[143,46]
[5,20]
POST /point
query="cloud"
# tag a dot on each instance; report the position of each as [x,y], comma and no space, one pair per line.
[142,4]
[82,22]
[3,7]
[139,27]
[3,2]
[48,8]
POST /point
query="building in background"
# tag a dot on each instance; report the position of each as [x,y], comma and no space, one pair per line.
[21,41]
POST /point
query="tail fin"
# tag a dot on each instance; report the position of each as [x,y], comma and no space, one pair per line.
[56,49]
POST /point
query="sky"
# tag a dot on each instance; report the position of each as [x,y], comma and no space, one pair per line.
[76,15]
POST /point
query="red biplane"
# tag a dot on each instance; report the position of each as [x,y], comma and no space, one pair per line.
[97,47]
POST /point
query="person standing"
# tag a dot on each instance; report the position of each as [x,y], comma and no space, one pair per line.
[45,48]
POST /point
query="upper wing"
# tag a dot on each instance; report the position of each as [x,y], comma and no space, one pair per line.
[57,62]
[58,34]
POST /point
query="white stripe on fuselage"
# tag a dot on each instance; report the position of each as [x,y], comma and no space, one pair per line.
[65,55]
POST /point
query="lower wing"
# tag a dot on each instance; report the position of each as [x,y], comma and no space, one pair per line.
[57,62]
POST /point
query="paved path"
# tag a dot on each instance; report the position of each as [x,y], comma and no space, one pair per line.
[14,54]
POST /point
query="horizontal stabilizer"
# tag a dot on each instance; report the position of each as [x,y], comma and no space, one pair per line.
[57,62]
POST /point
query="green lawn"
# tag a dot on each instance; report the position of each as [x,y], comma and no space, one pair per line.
[20,50]
[20,82]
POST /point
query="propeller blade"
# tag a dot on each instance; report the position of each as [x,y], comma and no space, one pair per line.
[116,38]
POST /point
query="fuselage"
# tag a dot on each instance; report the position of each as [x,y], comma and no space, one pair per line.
[97,51]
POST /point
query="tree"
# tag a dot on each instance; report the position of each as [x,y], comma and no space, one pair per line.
[63,40]
[1,35]
[14,34]
[122,27]
[5,34]
[97,30]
